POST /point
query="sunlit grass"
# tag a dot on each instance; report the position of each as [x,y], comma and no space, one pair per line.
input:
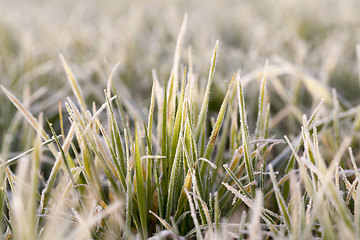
[274,169]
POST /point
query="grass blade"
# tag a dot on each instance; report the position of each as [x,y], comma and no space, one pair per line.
[74,84]
[281,202]
[260,124]
[46,193]
[174,77]
[245,133]
[204,106]
[215,132]
[193,215]
[66,162]
[140,188]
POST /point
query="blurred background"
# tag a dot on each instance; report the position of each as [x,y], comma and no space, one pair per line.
[316,39]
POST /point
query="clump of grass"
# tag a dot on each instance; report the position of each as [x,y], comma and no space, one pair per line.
[116,174]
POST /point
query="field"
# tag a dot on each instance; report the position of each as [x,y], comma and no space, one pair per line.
[179,120]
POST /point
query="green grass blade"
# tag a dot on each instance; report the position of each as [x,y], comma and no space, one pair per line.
[234,178]
[182,198]
[175,175]
[281,202]
[64,158]
[204,106]
[190,144]
[119,171]
[215,132]
[151,115]
[260,123]
[140,188]
[221,148]
[118,158]
[174,77]
[245,133]
[177,124]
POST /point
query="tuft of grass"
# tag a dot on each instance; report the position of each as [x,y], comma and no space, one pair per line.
[176,171]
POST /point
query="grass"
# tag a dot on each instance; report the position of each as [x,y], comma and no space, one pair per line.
[276,157]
